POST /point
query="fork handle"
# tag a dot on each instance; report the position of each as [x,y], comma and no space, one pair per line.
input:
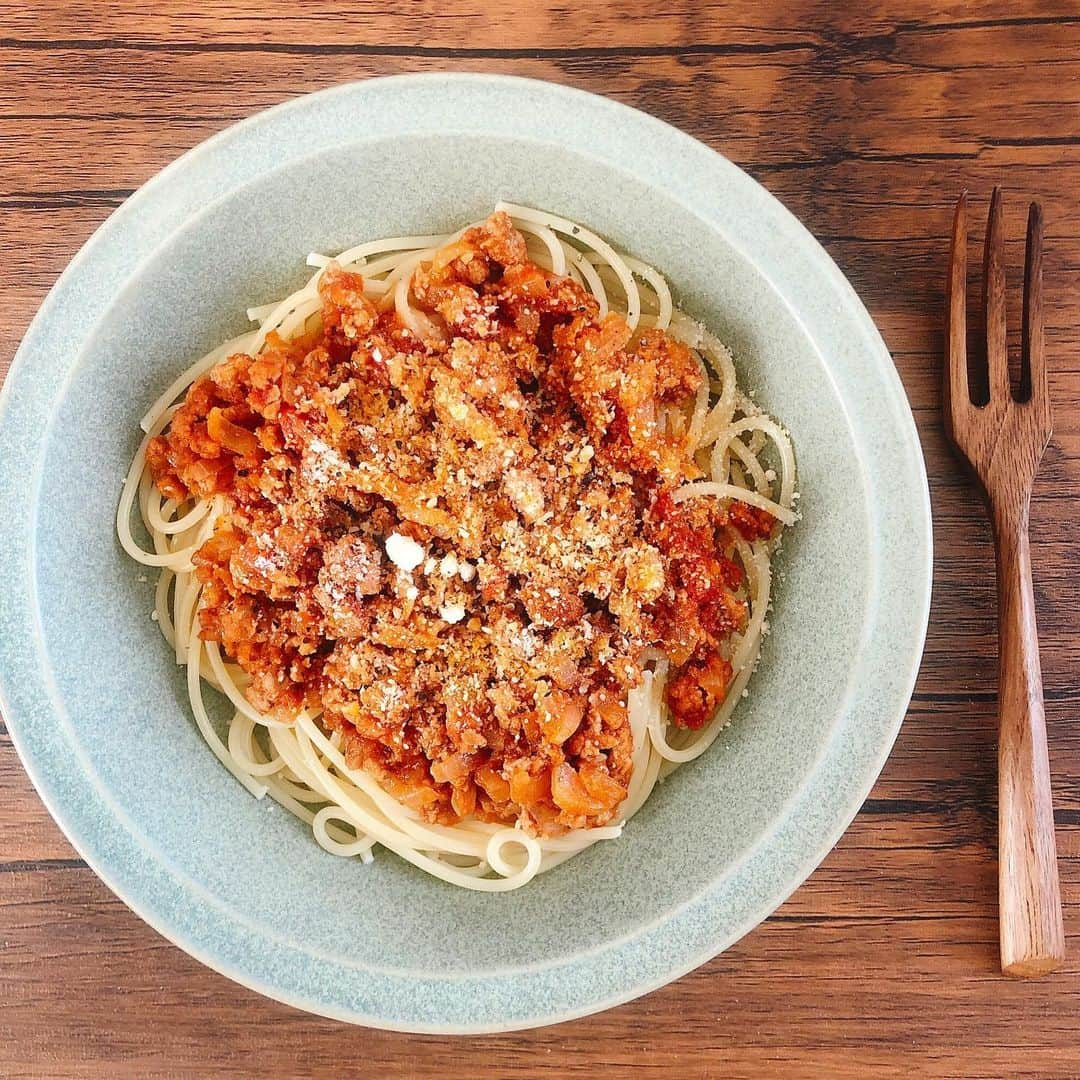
[1032,936]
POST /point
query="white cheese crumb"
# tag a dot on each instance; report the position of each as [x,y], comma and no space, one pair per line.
[404,552]
[430,564]
[449,565]
[412,592]
[154,616]
[452,613]
[466,571]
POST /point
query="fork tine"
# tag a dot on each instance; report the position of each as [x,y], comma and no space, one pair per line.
[957,398]
[1033,365]
[994,301]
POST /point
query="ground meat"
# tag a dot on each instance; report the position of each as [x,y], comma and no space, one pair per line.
[697,688]
[460,547]
[752,523]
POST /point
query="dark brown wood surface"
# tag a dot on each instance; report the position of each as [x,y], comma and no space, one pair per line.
[866,119]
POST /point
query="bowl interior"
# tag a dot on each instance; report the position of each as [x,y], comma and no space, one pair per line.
[123,696]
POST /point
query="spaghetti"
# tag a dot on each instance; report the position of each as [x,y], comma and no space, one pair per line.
[693,458]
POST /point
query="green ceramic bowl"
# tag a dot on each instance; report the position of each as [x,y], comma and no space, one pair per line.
[96,705]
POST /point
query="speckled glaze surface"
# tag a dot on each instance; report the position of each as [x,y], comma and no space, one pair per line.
[97,707]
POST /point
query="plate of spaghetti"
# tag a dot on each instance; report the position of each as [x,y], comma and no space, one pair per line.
[499,562]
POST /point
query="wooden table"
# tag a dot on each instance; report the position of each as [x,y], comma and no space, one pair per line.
[866,119]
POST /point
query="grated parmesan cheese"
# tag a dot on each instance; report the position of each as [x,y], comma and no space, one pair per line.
[452,613]
[404,552]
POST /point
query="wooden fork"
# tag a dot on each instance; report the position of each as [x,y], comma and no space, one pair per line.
[1004,442]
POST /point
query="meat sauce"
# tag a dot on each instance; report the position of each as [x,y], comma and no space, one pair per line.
[459,546]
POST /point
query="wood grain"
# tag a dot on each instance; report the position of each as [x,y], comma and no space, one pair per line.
[866,120]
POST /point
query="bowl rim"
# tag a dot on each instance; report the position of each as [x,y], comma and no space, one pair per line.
[28,694]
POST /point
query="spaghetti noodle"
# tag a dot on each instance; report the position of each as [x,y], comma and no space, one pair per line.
[711,463]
